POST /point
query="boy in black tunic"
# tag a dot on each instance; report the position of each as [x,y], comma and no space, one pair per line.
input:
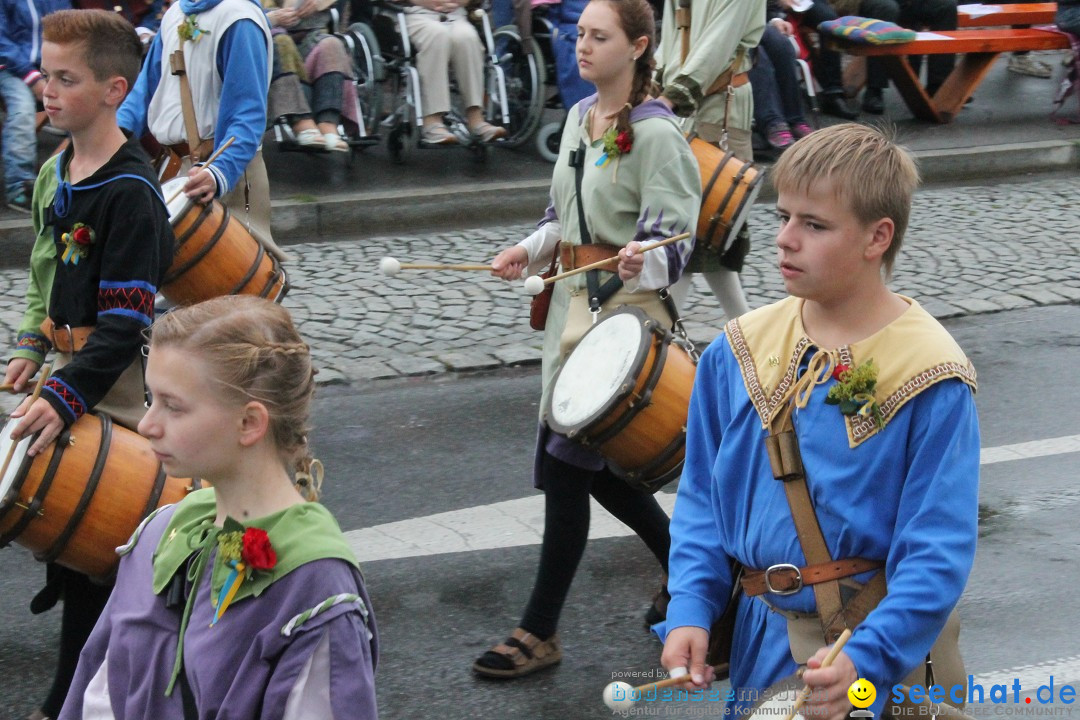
[103,245]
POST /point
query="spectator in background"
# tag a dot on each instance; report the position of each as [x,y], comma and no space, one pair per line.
[778,104]
[20,87]
[444,38]
[1068,16]
[914,14]
[826,62]
[305,54]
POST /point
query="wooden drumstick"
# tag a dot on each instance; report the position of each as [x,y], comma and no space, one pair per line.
[391,267]
[45,369]
[8,387]
[833,652]
[209,161]
[661,684]
[531,284]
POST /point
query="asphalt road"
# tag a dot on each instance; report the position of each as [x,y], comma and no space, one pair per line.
[401,450]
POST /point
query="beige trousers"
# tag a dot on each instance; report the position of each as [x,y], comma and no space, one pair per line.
[249,202]
[442,44]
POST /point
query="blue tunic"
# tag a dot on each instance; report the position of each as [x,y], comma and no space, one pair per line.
[906,495]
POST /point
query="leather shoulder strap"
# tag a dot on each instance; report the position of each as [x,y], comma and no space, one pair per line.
[598,294]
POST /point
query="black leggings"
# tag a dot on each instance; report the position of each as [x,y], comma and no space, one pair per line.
[566,530]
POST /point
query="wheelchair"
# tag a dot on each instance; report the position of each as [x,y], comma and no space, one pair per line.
[363,50]
[563,89]
[513,85]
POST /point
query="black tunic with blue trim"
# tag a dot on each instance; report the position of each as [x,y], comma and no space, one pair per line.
[113,245]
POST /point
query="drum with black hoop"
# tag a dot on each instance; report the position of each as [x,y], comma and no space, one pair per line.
[81,498]
[625,390]
[729,187]
[215,255]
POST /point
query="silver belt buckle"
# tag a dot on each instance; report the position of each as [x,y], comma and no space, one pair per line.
[777,568]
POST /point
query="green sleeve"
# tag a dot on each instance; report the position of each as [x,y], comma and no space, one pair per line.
[30,343]
[718,28]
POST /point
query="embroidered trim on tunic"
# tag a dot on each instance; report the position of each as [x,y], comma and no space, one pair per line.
[766,404]
[863,427]
[131,299]
[859,427]
[71,399]
[325,605]
[33,342]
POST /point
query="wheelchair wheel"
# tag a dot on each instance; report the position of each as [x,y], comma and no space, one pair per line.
[547,141]
[522,65]
[369,69]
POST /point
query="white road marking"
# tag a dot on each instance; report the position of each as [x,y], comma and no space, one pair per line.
[514,523]
[1064,671]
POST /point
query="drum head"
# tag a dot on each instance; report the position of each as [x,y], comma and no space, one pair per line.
[599,370]
[16,459]
[179,205]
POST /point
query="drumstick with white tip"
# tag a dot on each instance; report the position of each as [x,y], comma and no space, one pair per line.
[534,284]
[620,696]
[676,680]
[34,396]
[833,652]
[391,266]
[208,163]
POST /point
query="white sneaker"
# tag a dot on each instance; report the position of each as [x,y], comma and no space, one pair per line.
[1027,65]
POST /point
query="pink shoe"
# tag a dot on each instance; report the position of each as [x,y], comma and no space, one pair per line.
[801,130]
[779,136]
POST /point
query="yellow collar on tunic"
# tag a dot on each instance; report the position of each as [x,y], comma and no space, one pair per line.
[912,353]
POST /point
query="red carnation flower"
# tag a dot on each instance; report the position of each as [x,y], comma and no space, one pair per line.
[840,369]
[623,142]
[258,553]
[82,235]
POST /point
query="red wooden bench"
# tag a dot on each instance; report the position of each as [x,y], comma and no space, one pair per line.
[1019,14]
[979,49]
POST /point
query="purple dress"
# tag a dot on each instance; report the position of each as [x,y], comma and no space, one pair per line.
[305,648]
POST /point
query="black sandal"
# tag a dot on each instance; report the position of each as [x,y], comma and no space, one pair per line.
[520,654]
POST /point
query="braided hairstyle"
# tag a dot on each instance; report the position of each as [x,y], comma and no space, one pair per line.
[255,353]
[637,20]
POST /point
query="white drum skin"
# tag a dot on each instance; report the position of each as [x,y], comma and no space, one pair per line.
[16,459]
[594,373]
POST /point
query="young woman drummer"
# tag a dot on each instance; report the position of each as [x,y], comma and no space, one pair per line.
[244,599]
[639,183]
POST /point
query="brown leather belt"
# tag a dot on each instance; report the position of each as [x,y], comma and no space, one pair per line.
[66,339]
[726,80]
[786,579]
[203,151]
[575,256]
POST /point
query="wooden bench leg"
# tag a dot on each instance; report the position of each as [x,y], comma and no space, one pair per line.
[910,89]
[954,92]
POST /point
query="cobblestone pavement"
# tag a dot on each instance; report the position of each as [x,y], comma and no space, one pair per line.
[968,250]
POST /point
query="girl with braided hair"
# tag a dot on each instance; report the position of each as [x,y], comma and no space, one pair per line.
[243,599]
[639,183]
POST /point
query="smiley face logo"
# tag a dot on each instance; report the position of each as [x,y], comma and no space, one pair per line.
[862,693]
